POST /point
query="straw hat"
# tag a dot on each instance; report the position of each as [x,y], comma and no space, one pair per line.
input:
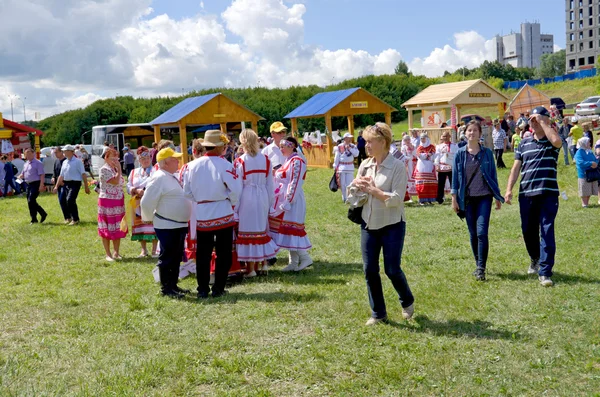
[213,139]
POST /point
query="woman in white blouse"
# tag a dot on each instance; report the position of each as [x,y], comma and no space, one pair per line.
[384,179]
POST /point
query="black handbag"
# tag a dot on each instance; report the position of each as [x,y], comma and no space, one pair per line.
[333,185]
[592,174]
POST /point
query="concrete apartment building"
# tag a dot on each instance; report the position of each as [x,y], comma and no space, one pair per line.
[583,33]
[525,48]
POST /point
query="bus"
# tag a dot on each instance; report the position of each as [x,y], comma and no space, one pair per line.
[119,134]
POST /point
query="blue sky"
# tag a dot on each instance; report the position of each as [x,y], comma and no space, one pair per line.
[414,28]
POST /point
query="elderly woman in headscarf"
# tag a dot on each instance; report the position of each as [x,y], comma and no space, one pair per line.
[585,159]
[410,153]
[425,178]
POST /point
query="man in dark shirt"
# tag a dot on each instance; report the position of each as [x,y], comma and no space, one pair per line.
[564,134]
[360,145]
[536,160]
[62,192]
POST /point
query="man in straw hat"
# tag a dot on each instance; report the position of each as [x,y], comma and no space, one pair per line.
[165,205]
[343,163]
[272,151]
[212,184]
[72,175]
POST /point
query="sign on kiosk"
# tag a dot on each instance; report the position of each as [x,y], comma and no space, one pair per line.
[433,118]
[359,105]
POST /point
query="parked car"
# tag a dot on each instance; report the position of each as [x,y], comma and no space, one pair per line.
[589,107]
[560,105]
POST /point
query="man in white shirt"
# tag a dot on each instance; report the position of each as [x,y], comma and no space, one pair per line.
[272,151]
[165,205]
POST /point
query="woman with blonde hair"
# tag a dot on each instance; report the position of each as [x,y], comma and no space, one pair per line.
[383,227]
[254,246]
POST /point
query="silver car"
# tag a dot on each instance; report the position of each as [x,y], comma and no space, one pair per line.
[589,107]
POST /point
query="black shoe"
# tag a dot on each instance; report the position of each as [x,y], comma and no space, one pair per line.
[181,290]
[479,274]
[43,218]
[272,261]
[202,295]
[172,294]
[219,294]
[32,222]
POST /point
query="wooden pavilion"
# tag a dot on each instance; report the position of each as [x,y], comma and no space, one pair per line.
[207,109]
[343,103]
[526,99]
[18,135]
[449,98]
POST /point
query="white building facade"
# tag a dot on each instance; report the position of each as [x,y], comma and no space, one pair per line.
[524,49]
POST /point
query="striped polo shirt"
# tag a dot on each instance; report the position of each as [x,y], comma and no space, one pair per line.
[538,170]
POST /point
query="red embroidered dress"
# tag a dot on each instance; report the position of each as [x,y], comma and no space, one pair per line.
[289,210]
[111,205]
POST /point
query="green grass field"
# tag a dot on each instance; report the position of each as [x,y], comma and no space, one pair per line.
[72,324]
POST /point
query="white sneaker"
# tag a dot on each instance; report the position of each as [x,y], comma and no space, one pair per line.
[292,267]
[109,259]
[545,281]
[407,312]
[251,274]
[374,321]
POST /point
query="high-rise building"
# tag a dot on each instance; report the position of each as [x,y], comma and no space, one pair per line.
[583,33]
[523,49]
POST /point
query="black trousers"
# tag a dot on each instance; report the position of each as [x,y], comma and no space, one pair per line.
[33,191]
[499,161]
[171,251]
[362,155]
[442,184]
[72,189]
[222,241]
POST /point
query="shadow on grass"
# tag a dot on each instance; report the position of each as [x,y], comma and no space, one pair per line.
[268,297]
[557,277]
[318,273]
[457,328]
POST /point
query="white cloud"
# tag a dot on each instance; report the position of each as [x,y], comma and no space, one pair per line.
[471,50]
[557,48]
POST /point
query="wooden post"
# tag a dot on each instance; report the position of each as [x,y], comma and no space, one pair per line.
[410,119]
[254,126]
[183,141]
[329,146]
[388,119]
[37,146]
[224,128]
[351,126]
[157,133]
[501,110]
[295,128]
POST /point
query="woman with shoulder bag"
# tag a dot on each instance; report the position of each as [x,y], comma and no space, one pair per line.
[585,161]
[383,227]
[474,186]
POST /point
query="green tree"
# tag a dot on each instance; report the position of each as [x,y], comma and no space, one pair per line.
[401,68]
[552,65]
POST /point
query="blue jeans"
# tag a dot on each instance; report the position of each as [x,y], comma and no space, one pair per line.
[391,239]
[62,200]
[11,182]
[573,150]
[478,211]
[537,220]
[565,149]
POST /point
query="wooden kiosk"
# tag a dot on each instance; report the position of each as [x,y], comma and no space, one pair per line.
[207,109]
[343,103]
[445,99]
[526,99]
[18,135]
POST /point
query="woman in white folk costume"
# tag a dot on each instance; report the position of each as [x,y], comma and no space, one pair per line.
[425,177]
[410,154]
[136,185]
[190,240]
[343,163]
[254,245]
[444,159]
[289,210]
[211,183]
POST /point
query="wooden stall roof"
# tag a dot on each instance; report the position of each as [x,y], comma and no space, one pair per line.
[207,109]
[475,92]
[19,129]
[528,98]
[341,103]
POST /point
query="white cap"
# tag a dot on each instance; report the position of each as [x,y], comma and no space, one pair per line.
[348,135]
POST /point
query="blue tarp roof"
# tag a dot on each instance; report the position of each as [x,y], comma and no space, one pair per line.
[182,109]
[321,103]
[207,127]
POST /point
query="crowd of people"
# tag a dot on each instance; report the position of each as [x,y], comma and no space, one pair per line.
[235,206]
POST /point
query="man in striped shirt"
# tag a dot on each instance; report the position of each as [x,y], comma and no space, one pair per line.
[536,159]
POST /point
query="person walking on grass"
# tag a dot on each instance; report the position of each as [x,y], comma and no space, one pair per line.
[33,174]
[72,175]
[383,227]
[343,163]
[111,205]
[536,161]
[165,205]
[444,161]
[474,186]
[576,133]
[499,137]
[62,194]
[564,131]
[585,159]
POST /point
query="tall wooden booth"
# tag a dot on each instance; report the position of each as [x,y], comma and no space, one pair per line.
[202,110]
[343,103]
[526,99]
[18,136]
[440,102]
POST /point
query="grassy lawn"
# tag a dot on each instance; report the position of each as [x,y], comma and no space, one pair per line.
[72,324]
